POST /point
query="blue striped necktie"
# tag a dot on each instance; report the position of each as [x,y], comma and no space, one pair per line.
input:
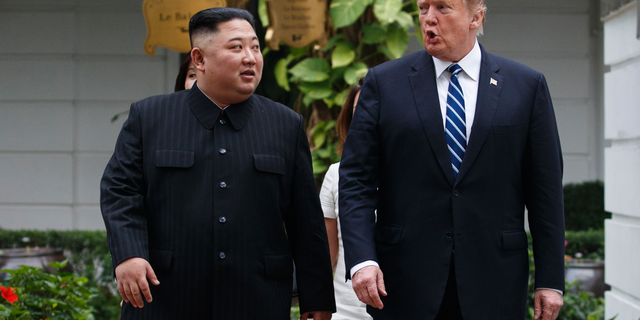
[456,120]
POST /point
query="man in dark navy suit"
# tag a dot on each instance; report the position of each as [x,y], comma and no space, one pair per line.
[210,193]
[450,145]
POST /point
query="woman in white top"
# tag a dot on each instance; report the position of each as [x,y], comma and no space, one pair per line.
[347,304]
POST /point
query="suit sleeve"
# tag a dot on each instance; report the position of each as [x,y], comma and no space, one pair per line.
[307,235]
[359,178]
[122,191]
[543,191]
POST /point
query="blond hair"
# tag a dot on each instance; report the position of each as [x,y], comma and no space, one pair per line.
[478,5]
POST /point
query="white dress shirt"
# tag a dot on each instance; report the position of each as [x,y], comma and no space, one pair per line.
[468,78]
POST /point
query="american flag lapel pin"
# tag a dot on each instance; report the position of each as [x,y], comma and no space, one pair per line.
[494,82]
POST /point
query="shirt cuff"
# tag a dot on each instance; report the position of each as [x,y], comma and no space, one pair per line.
[361,265]
[556,290]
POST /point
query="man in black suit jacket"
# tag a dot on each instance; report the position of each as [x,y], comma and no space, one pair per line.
[210,193]
[449,234]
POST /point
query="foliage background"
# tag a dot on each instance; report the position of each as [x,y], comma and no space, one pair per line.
[584,206]
[314,81]
[54,296]
[88,254]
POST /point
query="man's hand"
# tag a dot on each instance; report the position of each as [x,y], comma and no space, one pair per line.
[132,277]
[547,304]
[316,315]
[367,283]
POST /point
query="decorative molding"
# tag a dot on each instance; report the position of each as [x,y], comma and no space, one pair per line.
[624,61]
[610,12]
[629,221]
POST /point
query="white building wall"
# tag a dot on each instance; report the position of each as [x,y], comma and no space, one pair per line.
[561,39]
[68,66]
[622,163]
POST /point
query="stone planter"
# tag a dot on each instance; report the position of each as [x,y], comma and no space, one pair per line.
[589,273]
[35,257]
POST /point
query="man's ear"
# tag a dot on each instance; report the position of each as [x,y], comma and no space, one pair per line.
[197,57]
[476,22]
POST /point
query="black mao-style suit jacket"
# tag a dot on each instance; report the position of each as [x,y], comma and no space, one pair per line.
[397,143]
[219,203]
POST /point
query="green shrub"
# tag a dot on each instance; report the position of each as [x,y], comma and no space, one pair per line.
[589,243]
[584,206]
[87,252]
[295,312]
[581,306]
[40,295]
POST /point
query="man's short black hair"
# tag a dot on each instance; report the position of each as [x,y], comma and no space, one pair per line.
[207,20]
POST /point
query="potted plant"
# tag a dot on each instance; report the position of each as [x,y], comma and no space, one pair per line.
[29,255]
[584,261]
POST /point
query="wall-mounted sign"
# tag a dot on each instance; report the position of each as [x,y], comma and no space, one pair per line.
[168,22]
[297,22]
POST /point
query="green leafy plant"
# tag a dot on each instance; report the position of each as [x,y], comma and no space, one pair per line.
[295,312]
[362,34]
[87,253]
[40,295]
[587,244]
[581,306]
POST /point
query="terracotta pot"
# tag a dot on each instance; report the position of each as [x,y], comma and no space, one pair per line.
[36,257]
[589,273]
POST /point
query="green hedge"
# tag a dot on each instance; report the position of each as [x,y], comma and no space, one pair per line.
[87,252]
[589,243]
[584,206]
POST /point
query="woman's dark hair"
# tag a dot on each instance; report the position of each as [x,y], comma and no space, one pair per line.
[207,20]
[346,114]
[182,75]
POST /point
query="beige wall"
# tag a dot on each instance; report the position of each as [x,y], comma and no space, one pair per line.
[67,68]
[561,39]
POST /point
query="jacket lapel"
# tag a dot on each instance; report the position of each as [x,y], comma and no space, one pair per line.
[425,93]
[489,89]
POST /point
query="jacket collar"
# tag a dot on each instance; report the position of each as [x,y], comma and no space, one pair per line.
[207,112]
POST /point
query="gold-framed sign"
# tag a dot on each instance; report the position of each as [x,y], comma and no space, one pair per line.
[168,22]
[296,22]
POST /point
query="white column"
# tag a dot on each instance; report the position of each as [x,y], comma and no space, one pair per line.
[622,163]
